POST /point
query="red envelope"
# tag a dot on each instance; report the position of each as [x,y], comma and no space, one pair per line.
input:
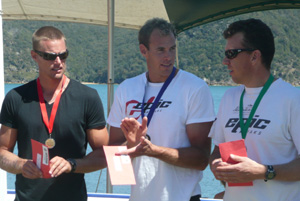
[237,148]
[40,156]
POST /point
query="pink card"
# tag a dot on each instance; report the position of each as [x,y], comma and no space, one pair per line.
[119,166]
[237,148]
[40,156]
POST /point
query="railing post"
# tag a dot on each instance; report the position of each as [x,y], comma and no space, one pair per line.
[110,71]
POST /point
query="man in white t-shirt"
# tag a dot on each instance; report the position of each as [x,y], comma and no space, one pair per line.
[272,109]
[168,164]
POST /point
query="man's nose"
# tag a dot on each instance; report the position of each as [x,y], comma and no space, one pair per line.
[225,61]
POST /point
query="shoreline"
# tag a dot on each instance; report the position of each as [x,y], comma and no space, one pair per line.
[94,83]
[91,83]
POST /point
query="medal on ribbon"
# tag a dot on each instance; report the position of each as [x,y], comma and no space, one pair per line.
[50,142]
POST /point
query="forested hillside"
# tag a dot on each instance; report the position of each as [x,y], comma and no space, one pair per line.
[201,49]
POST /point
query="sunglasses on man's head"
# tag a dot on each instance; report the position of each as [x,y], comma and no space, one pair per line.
[52,56]
[230,54]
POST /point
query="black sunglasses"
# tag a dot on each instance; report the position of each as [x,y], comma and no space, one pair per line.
[52,56]
[230,54]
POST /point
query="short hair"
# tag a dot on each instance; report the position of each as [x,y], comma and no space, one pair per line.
[46,33]
[162,25]
[257,35]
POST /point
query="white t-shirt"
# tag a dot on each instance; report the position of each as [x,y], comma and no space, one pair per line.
[273,136]
[187,100]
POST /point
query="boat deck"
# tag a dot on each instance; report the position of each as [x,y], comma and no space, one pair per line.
[99,197]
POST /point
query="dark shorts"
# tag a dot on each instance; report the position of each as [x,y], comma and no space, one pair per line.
[195,198]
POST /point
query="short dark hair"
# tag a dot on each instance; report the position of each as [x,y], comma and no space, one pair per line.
[46,33]
[145,32]
[257,35]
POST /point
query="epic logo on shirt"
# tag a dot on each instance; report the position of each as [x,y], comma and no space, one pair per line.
[134,107]
[256,123]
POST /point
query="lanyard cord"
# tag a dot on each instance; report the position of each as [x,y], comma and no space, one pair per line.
[160,93]
[244,127]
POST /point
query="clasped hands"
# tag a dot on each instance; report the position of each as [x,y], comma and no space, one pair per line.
[58,165]
[135,134]
[245,170]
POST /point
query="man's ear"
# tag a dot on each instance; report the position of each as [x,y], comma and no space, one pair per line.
[256,55]
[33,55]
[143,49]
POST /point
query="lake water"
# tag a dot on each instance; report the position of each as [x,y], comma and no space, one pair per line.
[96,181]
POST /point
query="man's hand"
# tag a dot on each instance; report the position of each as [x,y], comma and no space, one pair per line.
[59,165]
[133,130]
[245,170]
[145,147]
[31,171]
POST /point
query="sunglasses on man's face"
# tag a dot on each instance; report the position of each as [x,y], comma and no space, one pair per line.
[52,56]
[230,54]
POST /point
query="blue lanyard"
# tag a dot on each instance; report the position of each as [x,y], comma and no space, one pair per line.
[160,93]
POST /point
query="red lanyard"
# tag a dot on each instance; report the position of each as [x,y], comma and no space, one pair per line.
[48,124]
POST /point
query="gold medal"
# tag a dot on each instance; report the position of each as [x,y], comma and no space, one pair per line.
[50,143]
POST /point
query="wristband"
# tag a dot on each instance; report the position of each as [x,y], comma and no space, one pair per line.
[148,137]
[73,164]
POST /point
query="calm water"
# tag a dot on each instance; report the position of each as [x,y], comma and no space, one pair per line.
[96,181]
